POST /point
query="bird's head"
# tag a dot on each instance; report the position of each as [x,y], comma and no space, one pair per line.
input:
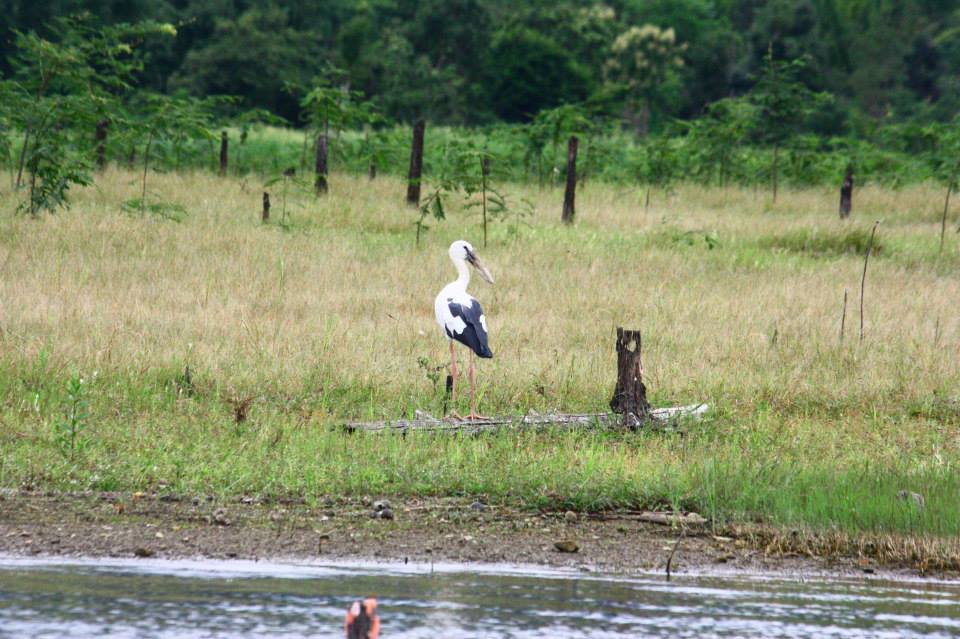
[462,250]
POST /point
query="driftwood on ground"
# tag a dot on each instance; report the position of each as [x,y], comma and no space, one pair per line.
[424,422]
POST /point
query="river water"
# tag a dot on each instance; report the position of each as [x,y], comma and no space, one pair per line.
[185,599]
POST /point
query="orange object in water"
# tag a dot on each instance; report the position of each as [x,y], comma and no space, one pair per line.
[362,621]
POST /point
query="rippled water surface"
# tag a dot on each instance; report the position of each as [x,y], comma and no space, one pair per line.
[145,599]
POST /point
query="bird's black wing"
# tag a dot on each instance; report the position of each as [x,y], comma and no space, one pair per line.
[474,334]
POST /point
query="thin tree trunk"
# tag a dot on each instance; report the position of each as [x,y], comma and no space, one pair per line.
[23,157]
[569,210]
[416,164]
[775,169]
[320,185]
[100,137]
[33,187]
[846,193]
[224,152]
[143,184]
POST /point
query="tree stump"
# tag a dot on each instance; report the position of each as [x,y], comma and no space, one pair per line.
[416,164]
[630,395]
[571,191]
[320,186]
[846,194]
[224,152]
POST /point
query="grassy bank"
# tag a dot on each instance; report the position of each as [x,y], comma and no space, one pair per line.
[286,330]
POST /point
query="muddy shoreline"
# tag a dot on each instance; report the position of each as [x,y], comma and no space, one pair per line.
[124,525]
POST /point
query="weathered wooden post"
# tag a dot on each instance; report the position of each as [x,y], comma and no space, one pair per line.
[265,216]
[100,138]
[320,186]
[416,164]
[630,395]
[224,152]
[571,191]
[846,193]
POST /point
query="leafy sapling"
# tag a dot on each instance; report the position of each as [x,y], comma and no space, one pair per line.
[69,432]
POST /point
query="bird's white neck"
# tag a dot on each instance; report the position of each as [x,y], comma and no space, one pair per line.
[463,274]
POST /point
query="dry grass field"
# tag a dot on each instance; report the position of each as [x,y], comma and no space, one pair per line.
[288,329]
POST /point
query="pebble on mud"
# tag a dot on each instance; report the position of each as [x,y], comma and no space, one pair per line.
[566,546]
[220,517]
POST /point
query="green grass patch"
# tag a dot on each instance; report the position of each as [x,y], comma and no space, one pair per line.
[820,243]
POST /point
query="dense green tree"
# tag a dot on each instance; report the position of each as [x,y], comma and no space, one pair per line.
[474,61]
[783,103]
[533,72]
[643,61]
[253,56]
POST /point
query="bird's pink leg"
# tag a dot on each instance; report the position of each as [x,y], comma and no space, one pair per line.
[454,373]
[473,392]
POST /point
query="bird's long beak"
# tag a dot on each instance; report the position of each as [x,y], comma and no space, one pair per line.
[479,265]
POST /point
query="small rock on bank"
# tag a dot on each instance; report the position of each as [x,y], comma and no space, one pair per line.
[382,510]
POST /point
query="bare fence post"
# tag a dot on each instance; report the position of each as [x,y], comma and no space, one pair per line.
[846,193]
[630,395]
[320,186]
[416,164]
[571,190]
[100,137]
[224,152]
[265,215]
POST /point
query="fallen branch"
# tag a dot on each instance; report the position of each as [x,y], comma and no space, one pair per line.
[671,519]
[425,422]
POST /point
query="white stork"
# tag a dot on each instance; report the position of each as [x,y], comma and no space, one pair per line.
[461,318]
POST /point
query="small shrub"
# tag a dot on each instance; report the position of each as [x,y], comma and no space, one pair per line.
[68,433]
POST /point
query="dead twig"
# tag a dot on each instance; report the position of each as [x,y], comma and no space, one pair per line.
[863,280]
[676,544]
